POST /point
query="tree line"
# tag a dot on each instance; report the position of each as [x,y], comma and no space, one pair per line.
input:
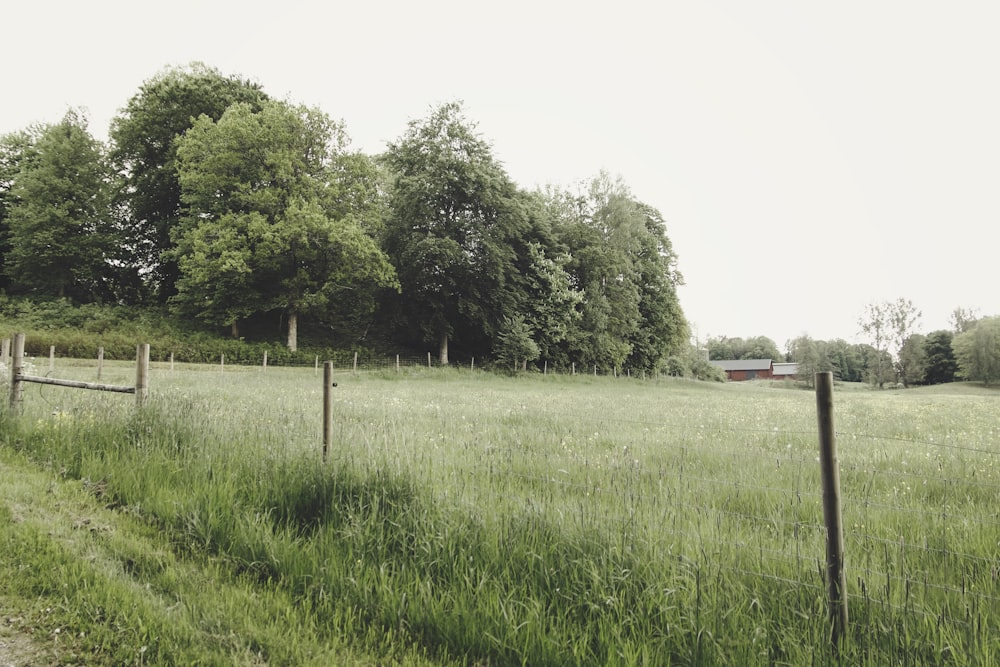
[895,353]
[250,215]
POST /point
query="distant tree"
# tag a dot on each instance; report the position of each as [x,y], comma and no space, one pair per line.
[941,365]
[758,347]
[963,319]
[978,351]
[144,153]
[259,233]
[887,324]
[515,345]
[875,324]
[812,356]
[846,360]
[58,229]
[454,221]
[912,363]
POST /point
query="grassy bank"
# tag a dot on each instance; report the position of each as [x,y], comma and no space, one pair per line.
[475,519]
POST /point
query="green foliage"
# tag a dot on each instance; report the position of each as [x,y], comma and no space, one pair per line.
[17,155]
[78,331]
[256,236]
[941,366]
[887,324]
[912,363]
[59,237]
[623,262]
[454,219]
[757,347]
[515,344]
[143,138]
[978,351]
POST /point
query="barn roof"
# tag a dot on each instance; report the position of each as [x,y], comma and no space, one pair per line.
[742,364]
[782,368]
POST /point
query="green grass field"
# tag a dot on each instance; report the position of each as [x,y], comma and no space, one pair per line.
[467,518]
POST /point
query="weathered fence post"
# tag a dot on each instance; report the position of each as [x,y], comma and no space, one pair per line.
[16,368]
[265,361]
[141,373]
[52,358]
[428,360]
[171,362]
[222,363]
[316,365]
[397,363]
[573,368]
[830,472]
[100,361]
[355,371]
[328,385]
[472,364]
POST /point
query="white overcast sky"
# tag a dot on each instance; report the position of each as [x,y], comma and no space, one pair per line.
[809,158]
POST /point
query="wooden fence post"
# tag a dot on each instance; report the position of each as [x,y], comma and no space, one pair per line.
[328,385]
[100,361]
[472,364]
[171,362]
[355,371]
[222,363]
[141,373]
[16,368]
[265,361]
[52,358]
[830,472]
[428,360]
[397,363]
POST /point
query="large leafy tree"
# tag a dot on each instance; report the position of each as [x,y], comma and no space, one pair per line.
[978,351]
[144,153]
[17,152]
[453,225]
[272,217]
[623,262]
[59,234]
[941,365]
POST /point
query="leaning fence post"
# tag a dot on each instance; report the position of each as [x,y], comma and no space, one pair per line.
[830,472]
[141,373]
[328,385]
[16,368]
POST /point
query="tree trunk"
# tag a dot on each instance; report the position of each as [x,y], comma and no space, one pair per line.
[235,328]
[443,356]
[293,330]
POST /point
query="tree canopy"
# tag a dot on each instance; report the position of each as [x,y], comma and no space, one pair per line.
[258,232]
[57,218]
[978,351]
[144,153]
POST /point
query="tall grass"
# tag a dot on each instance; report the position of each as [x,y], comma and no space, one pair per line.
[557,520]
